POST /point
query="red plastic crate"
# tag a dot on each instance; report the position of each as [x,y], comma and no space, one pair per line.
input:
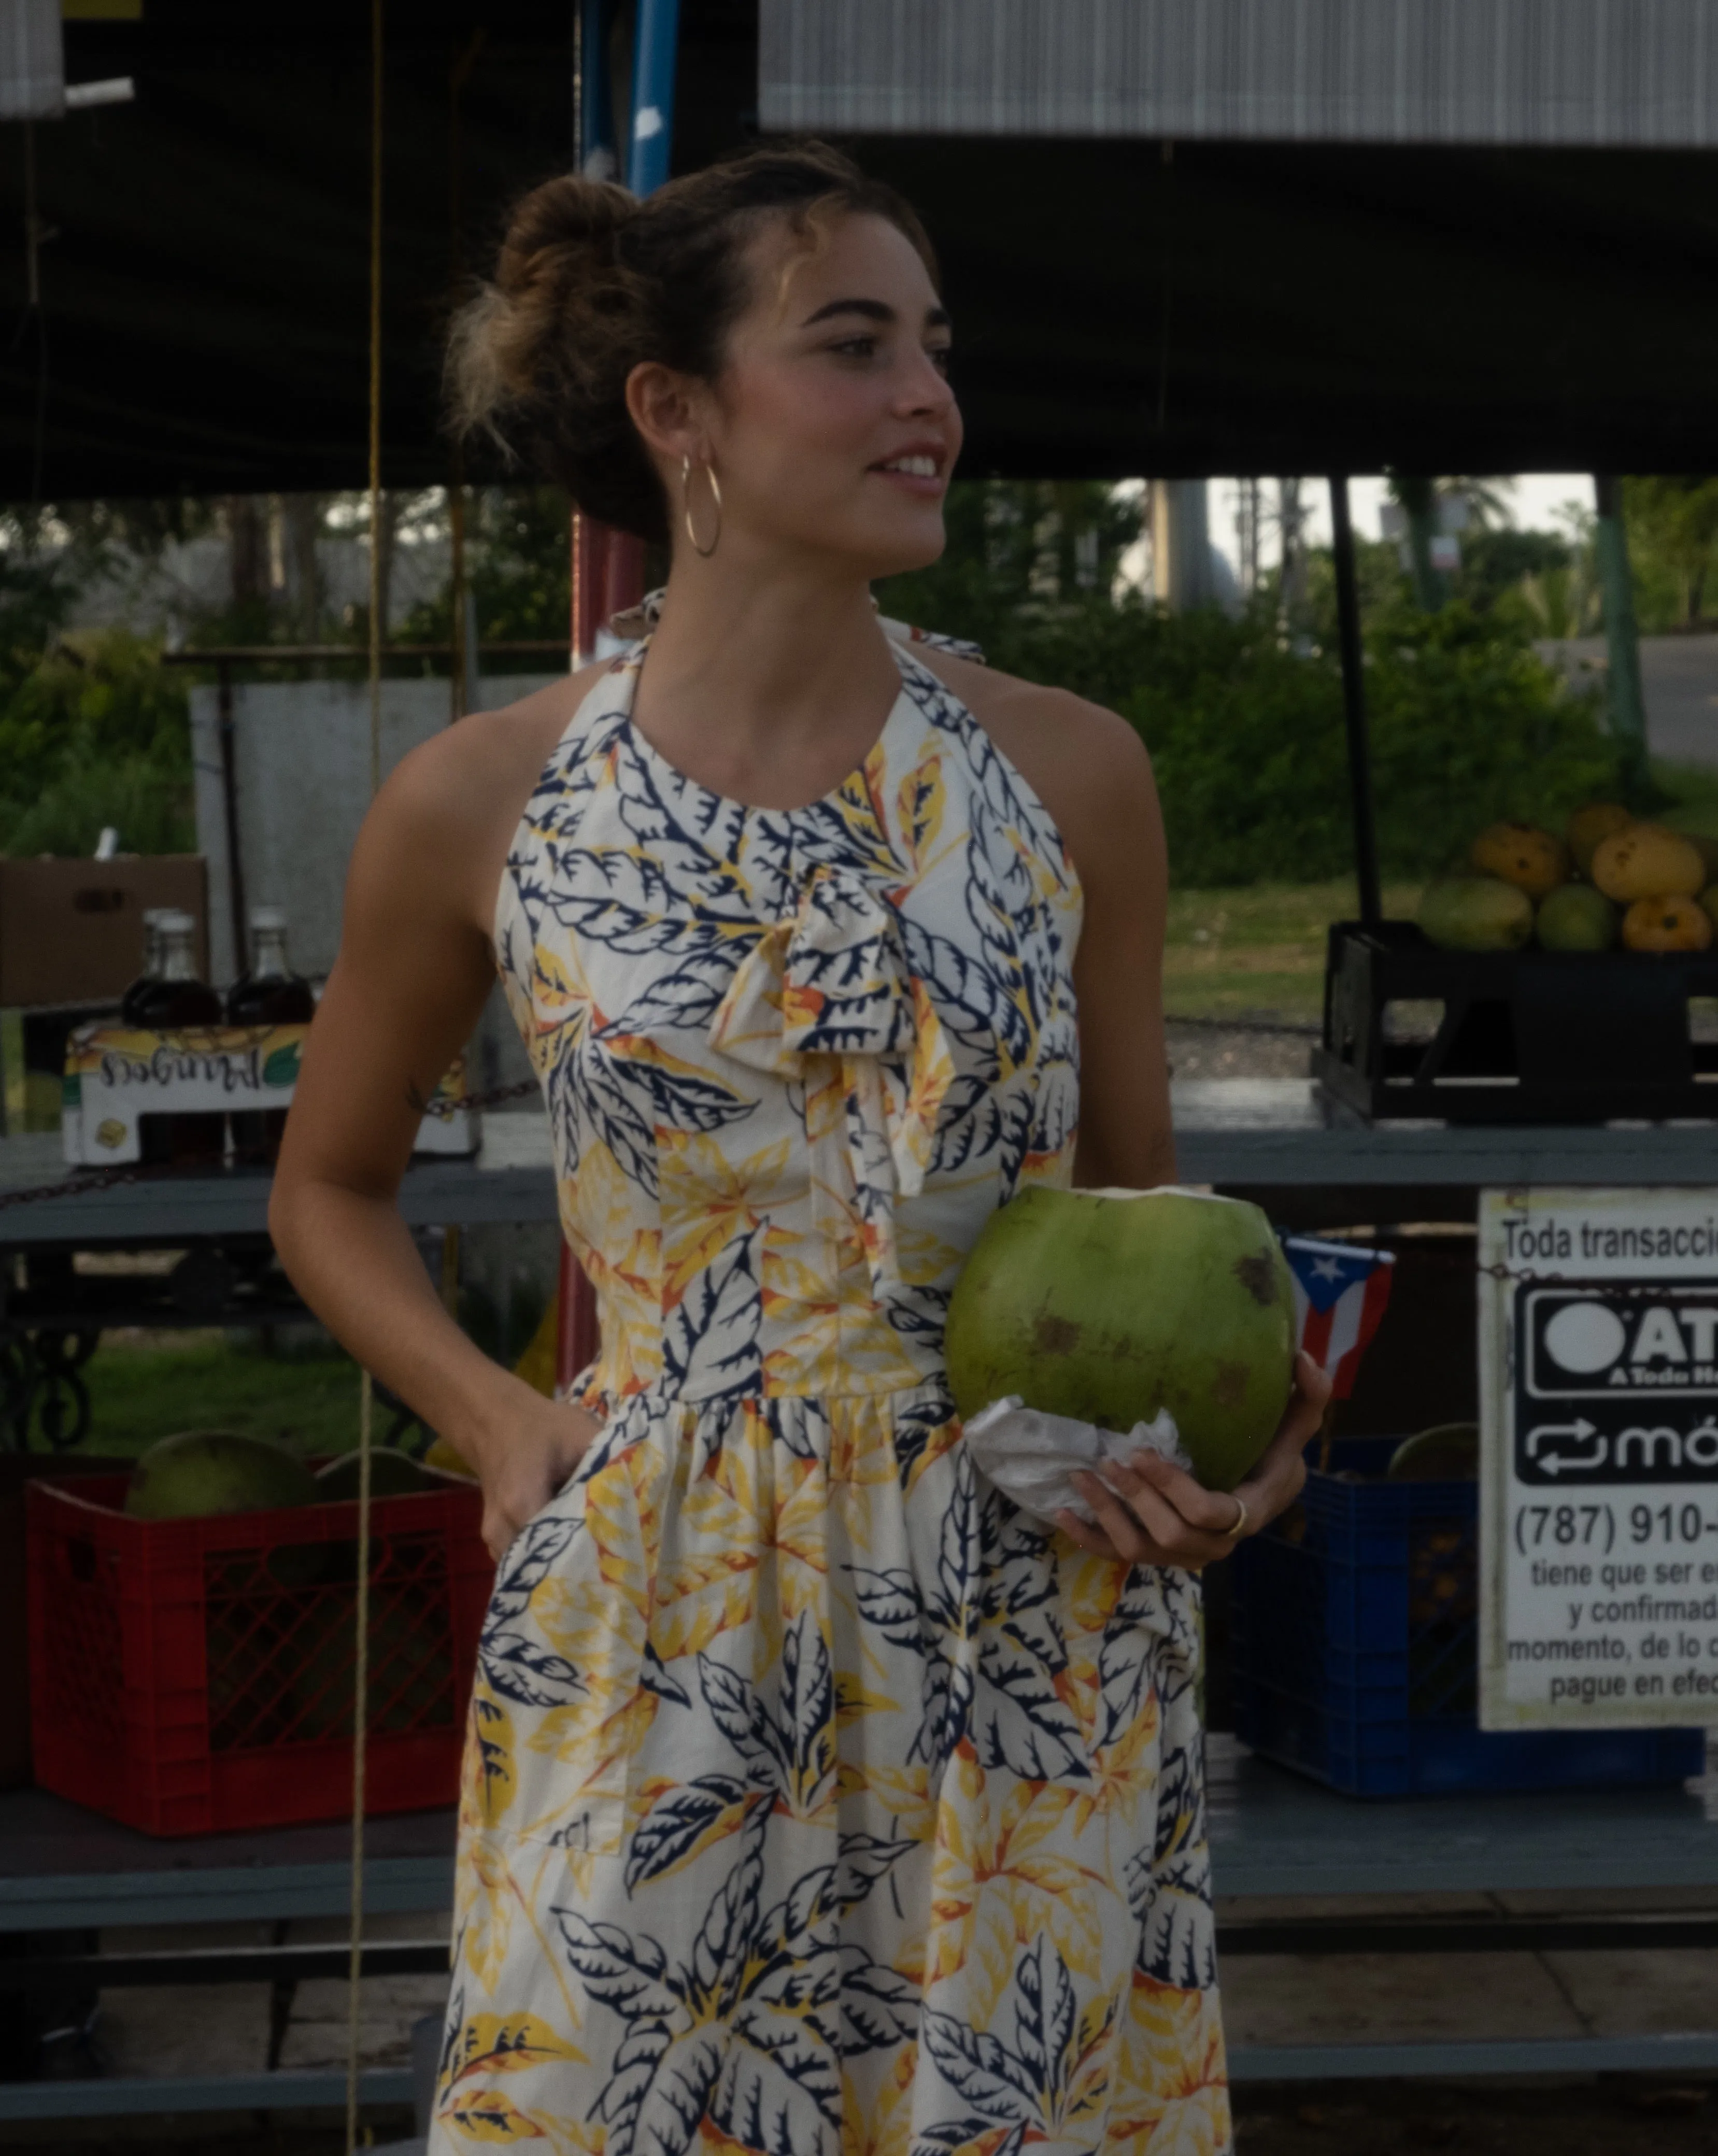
[188,1676]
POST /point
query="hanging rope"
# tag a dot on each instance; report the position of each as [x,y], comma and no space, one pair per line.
[366,1391]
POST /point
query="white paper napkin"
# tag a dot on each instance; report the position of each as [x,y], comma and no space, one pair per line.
[1029,1455]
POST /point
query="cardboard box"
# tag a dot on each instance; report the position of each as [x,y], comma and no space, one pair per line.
[116,1077]
[72,931]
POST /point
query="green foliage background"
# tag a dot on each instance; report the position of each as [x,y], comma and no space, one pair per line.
[1242,713]
[1244,720]
[94,730]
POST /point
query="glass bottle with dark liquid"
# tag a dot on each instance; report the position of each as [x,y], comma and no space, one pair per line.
[270,993]
[153,916]
[175,999]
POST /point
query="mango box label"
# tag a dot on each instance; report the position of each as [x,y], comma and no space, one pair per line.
[1598,1420]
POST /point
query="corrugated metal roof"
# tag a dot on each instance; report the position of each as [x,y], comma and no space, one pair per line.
[32,70]
[1643,73]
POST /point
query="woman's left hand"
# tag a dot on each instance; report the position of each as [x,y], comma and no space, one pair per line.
[1150,1513]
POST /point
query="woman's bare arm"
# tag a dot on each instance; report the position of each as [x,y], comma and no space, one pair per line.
[414,969]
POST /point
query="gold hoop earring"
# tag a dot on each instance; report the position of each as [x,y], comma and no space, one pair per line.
[709,471]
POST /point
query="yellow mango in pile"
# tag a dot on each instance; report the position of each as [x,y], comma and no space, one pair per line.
[1520,854]
[1667,924]
[1648,862]
[1587,828]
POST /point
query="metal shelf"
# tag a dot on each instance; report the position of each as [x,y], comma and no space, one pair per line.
[1276,1133]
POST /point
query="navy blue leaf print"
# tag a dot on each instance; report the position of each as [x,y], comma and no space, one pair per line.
[1045,2016]
[524,1670]
[669,2112]
[721,1949]
[865,1859]
[530,1558]
[686,997]
[780,2091]
[710,1339]
[980,2069]
[677,1822]
[629,1973]
[879,2007]
[737,1711]
[1023,1724]
[955,1566]
[655,1676]
[808,1710]
[917,1422]
[637,2060]
[891,1601]
[966,991]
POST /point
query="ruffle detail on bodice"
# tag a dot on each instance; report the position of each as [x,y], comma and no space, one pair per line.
[831,981]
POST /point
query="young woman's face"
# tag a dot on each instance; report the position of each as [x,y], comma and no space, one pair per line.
[833,427]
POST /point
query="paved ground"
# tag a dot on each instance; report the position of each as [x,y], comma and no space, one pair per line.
[1267,1050]
[1679,680]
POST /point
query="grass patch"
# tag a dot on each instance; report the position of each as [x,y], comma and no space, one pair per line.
[1693,790]
[1259,951]
[140,1393]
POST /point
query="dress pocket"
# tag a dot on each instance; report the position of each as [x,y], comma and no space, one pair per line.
[557,1701]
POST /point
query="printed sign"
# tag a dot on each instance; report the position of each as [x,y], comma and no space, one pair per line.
[1598,1376]
[116,1077]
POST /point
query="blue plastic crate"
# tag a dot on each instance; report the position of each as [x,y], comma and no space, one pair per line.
[1356,1645]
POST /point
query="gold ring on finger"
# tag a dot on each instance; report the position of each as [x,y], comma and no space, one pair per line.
[1234,1533]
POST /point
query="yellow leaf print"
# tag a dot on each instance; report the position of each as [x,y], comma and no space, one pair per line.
[1171,2089]
[700,1598]
[852,1701]
[879,2123]
[506,2044]
[708,1199]
[483,1905]
[998,1884]
[919,802]
[489,1758]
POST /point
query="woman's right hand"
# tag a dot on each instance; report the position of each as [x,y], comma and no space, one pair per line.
[524,1462]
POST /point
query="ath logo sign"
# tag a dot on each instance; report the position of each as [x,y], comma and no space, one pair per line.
[1617,1382]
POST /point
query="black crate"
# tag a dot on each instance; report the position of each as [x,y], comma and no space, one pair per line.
[1522,1037]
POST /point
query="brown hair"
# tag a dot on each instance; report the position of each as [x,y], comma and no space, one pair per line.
[591,281]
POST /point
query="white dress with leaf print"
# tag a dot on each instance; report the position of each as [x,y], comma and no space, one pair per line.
[817,1802]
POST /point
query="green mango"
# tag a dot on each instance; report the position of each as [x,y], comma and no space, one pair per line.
[1476,913]
[1576,917]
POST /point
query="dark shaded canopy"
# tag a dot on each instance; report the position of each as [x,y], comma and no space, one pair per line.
[1119,309]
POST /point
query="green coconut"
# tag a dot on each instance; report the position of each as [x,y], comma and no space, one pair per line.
[1448,1452]
[1110,1306]
[1576,917]
[201,1473]
[1476,913]
[391,1475]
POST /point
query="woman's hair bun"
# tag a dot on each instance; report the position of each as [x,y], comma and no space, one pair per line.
[591,282]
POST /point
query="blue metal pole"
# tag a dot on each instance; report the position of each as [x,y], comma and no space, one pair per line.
[596,131]
[654,52]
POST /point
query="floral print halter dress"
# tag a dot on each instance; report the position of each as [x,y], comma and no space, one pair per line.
[817,1802]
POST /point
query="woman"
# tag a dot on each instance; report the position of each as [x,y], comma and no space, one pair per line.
[815,1797]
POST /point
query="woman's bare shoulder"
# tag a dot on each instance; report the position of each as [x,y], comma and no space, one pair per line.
[1086,764]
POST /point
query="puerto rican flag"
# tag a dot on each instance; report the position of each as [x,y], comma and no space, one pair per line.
[1341,1293]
